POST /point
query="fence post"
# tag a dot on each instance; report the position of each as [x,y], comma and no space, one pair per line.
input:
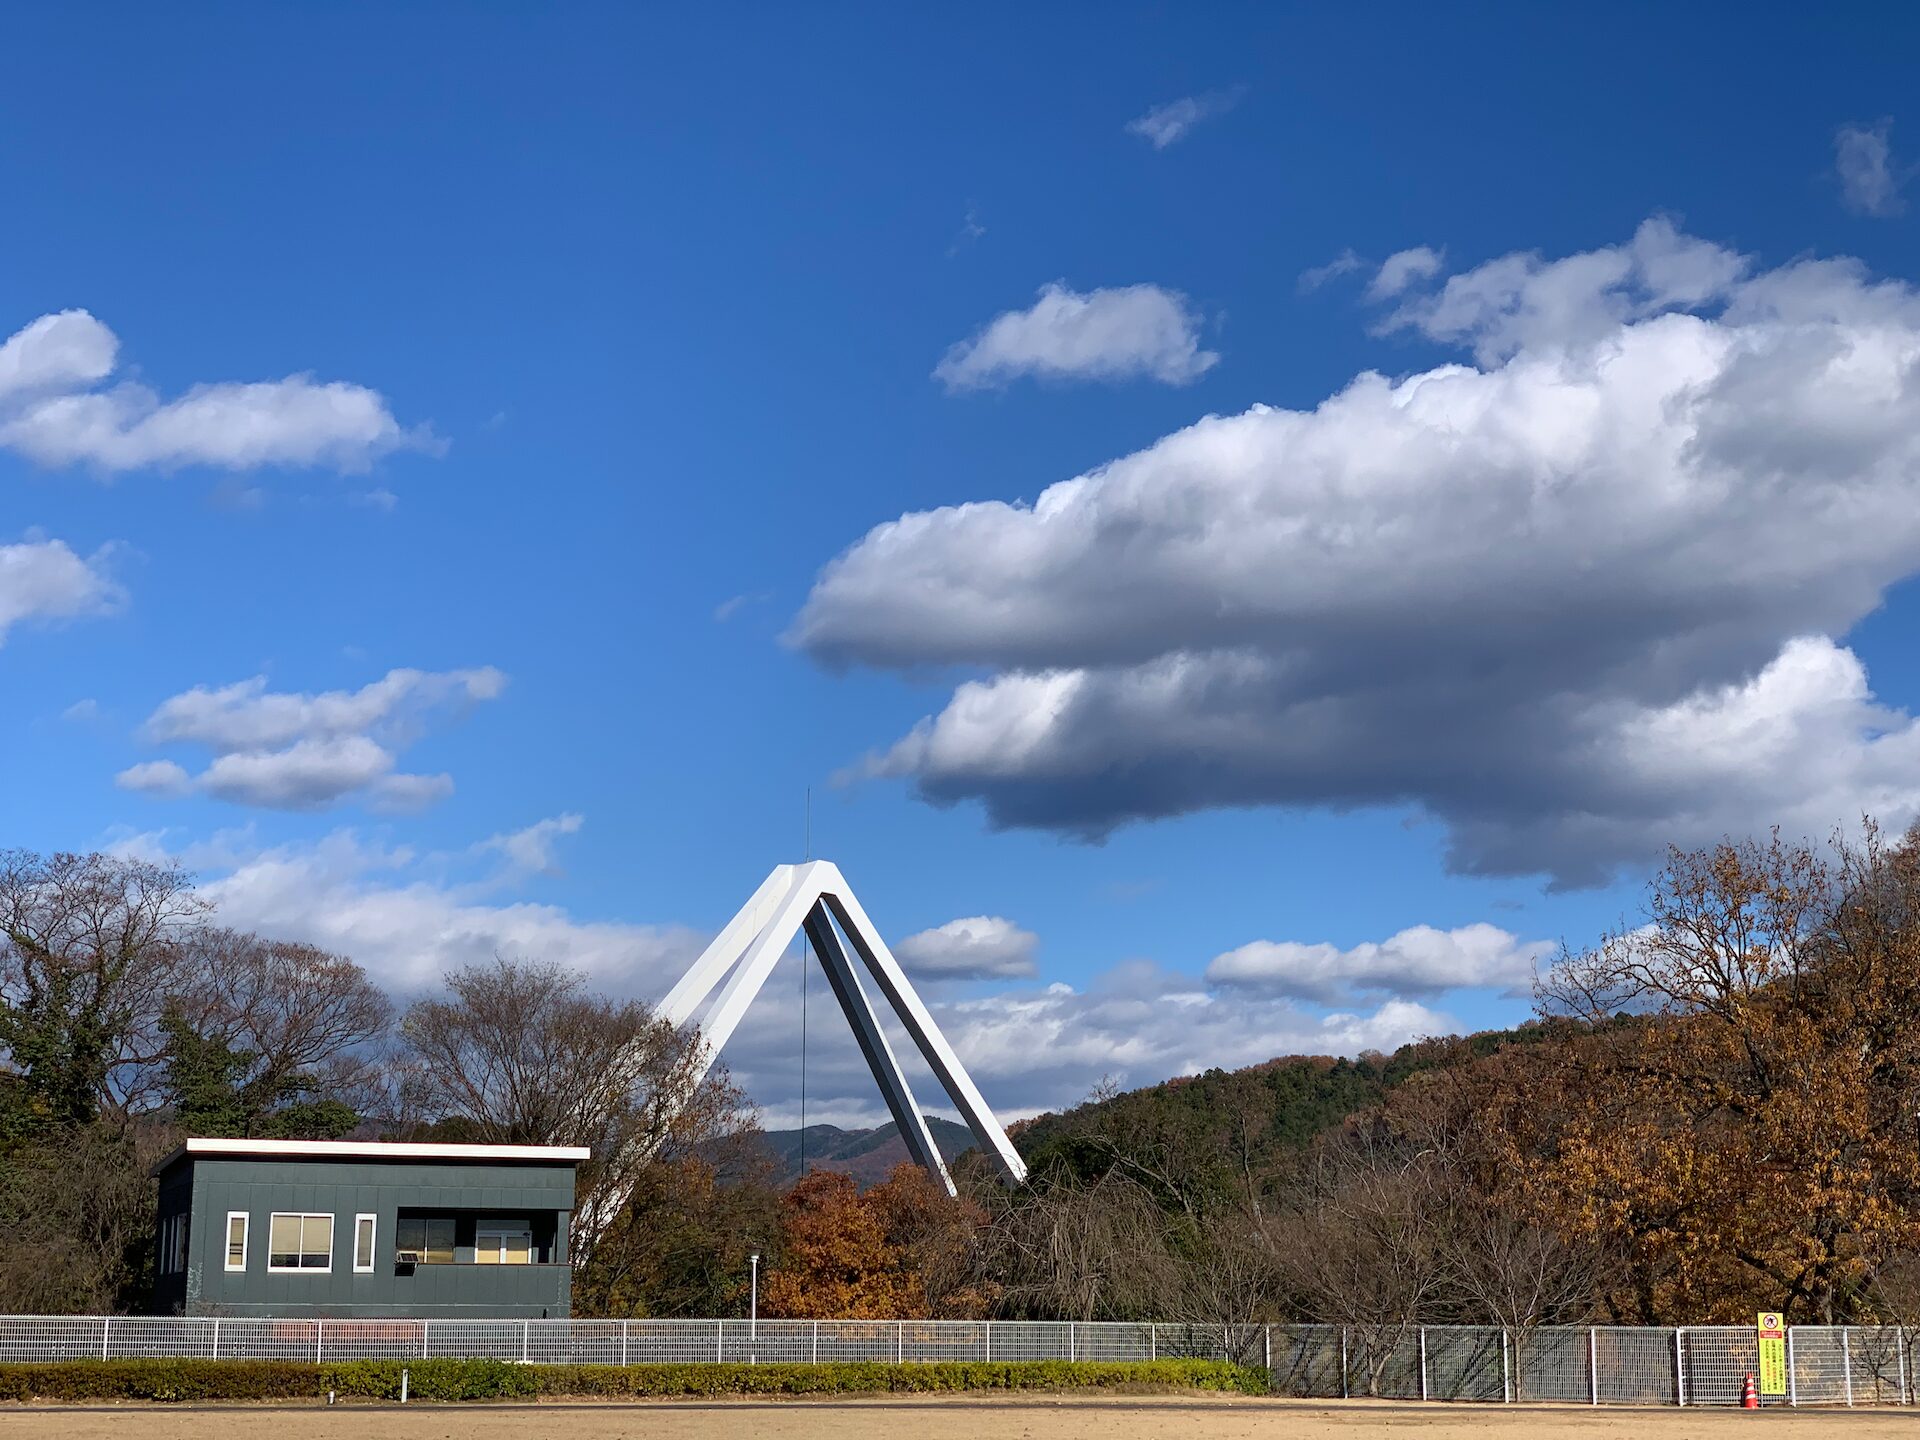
[986,1340]
[319,1330]
[1423,1362]
[216,1337]
[1900,1349]
[1846,1359]
[1793,1373]
[899,1342]
[1073,1347]
[1506,1372]
[719,1341]
[1680,1364]
[623,1343]
[424,1324]
[526,1335]
[1153,1341]
[1266,1344]
[1593,1366]
[106,1325]
[1345,1393]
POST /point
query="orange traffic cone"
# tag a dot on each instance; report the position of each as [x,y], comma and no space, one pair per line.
[1749,1397]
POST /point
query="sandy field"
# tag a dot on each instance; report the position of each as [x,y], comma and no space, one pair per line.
[937,1418]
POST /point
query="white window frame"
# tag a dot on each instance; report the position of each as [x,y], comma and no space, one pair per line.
[245,1218]
[372,1223]
[303,1216]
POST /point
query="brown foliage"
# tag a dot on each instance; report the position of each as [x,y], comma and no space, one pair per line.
[835,1260]
[1740,1122]
[903,1250]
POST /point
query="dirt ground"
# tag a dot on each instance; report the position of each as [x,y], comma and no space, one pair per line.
[938,1418]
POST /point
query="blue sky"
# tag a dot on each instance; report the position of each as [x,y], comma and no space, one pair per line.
[636,321]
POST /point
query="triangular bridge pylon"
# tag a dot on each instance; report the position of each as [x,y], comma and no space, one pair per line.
[815,897]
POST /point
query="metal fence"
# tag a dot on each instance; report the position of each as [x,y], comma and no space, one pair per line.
[1601,1365]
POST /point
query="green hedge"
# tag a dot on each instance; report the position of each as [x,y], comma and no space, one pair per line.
[866,1377]
[503,1380]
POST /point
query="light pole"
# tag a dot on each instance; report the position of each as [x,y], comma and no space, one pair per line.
[753,1303]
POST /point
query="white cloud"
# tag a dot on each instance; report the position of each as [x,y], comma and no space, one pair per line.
[407,924]
[52,412]
[410,917]
[155,777]
[305,752]
[1163,125]
[1404,268]
[532,851]
[1345,263]
[82,712]
[1417,963]
[1132,332]
[1523,302]
[1040,1047]
[57,352]
[44,580]
[1514,595]
[974,948]
[1863,159]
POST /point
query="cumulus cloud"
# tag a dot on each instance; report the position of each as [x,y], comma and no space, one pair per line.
[155,777]
[54,411]
[1404,268]
[396,913]
[1582,597]
[533,851]
[1133,332]
[1863,159]
[1164,125]
[1041,1047]
[288,751]
[1418,963]
[409,917]
[44,580]
[974,948]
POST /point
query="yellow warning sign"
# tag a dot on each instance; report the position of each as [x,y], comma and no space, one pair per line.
[1772,1332]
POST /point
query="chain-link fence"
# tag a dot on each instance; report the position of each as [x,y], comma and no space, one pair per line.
[1600,1365]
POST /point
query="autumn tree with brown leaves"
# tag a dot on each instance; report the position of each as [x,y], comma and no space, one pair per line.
[1740,1117]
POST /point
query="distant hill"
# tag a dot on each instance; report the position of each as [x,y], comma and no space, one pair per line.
[1215,1132]
[1203,1133]
[867,1155]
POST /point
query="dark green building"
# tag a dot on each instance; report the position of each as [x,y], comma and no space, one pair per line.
[362,1228]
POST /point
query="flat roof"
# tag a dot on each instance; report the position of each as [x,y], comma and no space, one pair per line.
[374,1150]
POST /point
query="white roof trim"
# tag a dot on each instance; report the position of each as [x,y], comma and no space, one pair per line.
[380,1150]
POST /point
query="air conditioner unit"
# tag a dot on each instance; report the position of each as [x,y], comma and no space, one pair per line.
[410,1257]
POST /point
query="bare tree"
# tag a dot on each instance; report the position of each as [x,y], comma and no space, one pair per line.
[1098,1252]
[90,948]
[1364,1245]
[523,1054]
[296,1021]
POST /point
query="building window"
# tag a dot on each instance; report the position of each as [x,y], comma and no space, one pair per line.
[363,1231]
[299,1242]
[503,1245]
[424,1239]
[173,1245]
[236,1240]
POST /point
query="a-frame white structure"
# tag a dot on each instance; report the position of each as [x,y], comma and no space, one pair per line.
[815,896]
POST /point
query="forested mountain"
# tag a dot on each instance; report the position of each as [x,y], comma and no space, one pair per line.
[868,1156]
[1201,1137]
